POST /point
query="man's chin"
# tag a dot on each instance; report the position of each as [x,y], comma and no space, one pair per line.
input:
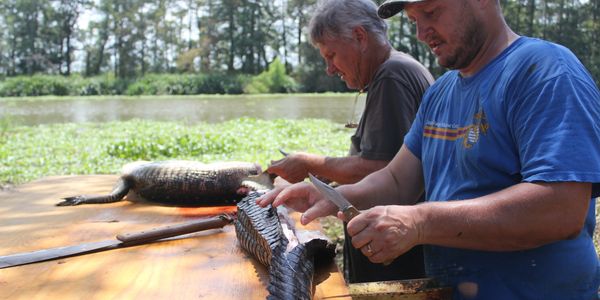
[445,64]
[351,86]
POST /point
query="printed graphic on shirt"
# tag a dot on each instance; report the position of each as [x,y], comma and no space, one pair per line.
[452,132]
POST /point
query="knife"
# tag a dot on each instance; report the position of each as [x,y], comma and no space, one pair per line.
[122,240]
[283,152]
[340,201]
[265,178]
[334,196]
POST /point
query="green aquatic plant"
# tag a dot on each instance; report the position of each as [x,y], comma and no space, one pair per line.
[31,152]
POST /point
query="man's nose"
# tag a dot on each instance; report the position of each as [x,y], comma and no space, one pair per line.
[331,69]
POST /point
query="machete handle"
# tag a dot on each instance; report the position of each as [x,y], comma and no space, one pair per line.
[174,230]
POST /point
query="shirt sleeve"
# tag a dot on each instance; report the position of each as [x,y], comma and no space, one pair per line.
[556,127]
[414,138]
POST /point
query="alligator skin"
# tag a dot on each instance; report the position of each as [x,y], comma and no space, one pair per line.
[181,183]
[290,255]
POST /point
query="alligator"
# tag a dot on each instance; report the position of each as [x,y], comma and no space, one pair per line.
[291,255]
[182,183]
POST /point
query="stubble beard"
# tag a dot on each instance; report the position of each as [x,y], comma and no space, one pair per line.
[469,41]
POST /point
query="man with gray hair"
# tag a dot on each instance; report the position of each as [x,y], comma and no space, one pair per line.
[352,40]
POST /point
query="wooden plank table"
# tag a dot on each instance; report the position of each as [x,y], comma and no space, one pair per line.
[203,265]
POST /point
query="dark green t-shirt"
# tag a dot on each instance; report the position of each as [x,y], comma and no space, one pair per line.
[393,98]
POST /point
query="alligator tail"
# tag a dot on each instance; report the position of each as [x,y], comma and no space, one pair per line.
[119,191]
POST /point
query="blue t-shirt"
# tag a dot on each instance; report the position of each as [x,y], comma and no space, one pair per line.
[531,115]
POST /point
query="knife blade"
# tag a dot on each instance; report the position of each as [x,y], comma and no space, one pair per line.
[122,240]
[340,201]
[334,196]
[284,153]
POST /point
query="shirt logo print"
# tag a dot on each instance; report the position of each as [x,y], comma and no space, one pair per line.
[469,134]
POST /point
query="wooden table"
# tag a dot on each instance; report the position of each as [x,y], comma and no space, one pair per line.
[203,265]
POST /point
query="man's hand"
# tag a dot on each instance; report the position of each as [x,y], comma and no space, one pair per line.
[383,233]
[294,167]
[302,197]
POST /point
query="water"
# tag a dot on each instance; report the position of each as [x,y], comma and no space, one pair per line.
[190,109]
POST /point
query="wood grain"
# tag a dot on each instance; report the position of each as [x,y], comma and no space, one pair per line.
[203,265]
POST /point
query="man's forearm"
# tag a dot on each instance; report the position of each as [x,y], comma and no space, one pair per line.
[345,170]
[399,183]
[524,216]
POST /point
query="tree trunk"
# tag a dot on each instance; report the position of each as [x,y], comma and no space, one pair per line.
[517,25]
[530,17]
[231,40]
[283,37]
[68,55]
[192,11]
[546,17]
[299,43]
[561,20]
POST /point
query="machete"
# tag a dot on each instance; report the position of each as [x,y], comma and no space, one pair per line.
[122,240]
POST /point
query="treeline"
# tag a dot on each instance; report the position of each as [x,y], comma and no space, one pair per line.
[128,40]
[273,80]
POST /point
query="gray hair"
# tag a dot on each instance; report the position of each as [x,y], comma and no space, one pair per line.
[337,19]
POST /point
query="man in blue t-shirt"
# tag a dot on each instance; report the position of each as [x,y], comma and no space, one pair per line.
[505,147]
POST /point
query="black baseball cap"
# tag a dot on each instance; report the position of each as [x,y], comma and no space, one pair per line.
[391,7]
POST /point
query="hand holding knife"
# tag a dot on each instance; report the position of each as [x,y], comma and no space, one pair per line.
[334,196]
[342,203]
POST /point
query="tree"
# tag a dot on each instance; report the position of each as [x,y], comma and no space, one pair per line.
[134,37]
[66,16]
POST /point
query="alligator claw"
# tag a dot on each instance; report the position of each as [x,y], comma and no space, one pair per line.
[70,201]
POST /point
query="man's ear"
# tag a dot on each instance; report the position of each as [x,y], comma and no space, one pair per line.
[361,36]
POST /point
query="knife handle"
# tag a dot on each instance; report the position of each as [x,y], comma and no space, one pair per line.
[174,230]
[350,212]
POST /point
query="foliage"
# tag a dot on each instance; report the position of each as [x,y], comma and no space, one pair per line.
[38,85]
[61,149]
[5,126]
[273,80]
[130,39]
[186,62]
[152,84]
[166,84]
[97,85]
[573,24]
[42,85]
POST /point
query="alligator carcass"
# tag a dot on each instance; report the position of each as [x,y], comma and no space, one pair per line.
[290,254]
[182,183]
